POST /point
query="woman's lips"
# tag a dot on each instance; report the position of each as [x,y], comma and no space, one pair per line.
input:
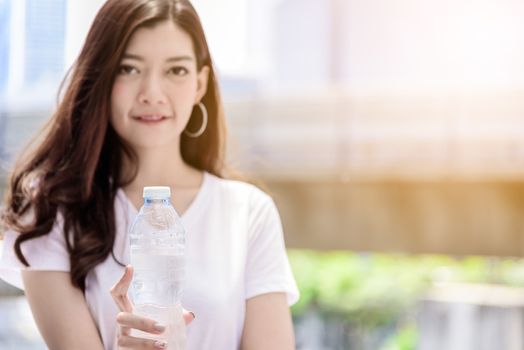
[150,118]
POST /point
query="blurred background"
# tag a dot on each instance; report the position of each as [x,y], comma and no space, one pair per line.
[390,133]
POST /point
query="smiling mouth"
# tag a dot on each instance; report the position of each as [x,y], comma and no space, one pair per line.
[150,118]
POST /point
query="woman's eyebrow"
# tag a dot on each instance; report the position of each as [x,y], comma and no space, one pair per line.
[131,56]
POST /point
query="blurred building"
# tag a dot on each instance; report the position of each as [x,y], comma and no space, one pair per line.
[44,40]
[32,36]
[4,43]
[303,42]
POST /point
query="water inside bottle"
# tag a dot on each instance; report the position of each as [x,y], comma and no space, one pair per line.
[158,276]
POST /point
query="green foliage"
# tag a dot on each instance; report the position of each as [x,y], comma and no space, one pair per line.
[404,339]
[371,287]
[374,290]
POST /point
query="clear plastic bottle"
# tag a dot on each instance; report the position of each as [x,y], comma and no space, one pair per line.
[157,256]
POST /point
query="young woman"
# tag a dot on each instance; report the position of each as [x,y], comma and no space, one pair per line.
[142,108]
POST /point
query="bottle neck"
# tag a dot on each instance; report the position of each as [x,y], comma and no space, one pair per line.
[157,201]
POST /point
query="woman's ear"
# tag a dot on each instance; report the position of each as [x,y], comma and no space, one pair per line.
[202,79]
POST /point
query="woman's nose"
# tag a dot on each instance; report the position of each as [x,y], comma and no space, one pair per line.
[151,91]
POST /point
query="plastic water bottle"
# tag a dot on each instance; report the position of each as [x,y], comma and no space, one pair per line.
[157,256]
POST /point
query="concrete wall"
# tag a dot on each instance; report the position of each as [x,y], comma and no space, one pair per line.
[461,217]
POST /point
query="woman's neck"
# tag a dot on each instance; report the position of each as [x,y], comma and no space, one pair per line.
[162,167]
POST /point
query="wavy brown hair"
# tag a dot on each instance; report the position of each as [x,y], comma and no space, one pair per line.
[75,168]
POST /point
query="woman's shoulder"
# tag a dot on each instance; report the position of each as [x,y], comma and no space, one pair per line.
[239,189]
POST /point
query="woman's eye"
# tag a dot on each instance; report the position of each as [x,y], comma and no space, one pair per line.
[127,70]
[178,71]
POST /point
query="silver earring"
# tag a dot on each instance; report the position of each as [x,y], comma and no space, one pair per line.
[203,127]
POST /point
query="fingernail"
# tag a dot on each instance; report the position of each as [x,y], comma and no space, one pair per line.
[160,344]
[193,314]
[159,328]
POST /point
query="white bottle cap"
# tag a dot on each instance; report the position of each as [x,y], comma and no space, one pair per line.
[157,192]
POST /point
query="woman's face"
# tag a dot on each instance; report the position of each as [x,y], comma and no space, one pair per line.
[156,87]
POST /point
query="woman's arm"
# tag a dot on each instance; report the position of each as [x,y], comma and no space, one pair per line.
[268,323]
[60,311]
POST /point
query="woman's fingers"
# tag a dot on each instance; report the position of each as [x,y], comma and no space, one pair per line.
[130,342]
[129,320]
[119,290]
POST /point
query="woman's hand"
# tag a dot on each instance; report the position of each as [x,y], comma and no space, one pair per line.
[126,320]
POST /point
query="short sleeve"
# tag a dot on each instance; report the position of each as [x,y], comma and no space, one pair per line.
[267,269]
[46,253]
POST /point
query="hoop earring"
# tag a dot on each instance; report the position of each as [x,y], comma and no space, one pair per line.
[203,127]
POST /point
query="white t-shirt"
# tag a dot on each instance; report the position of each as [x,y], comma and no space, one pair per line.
[234,251]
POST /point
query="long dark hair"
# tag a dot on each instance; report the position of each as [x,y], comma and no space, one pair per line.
[75,169]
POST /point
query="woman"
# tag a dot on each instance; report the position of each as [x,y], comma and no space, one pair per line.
[142,108]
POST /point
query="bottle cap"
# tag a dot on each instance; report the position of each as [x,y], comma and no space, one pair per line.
[156,192]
